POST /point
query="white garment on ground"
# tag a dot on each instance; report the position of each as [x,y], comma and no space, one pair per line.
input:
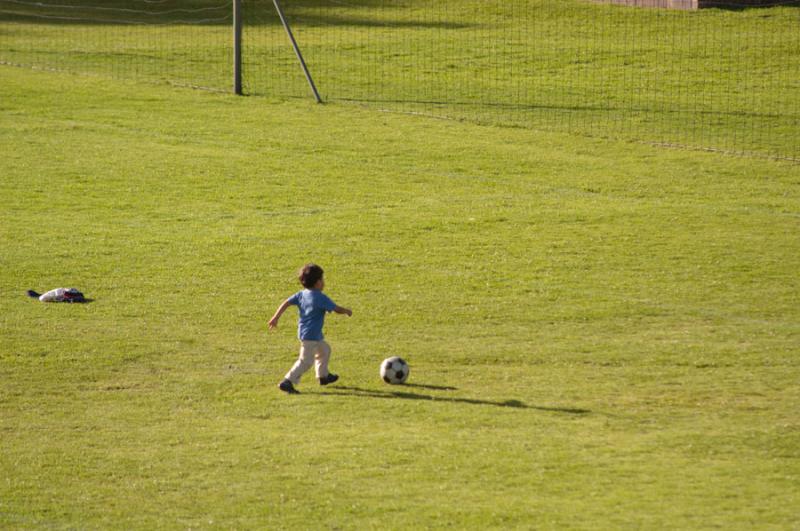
[317,352]
[54,295]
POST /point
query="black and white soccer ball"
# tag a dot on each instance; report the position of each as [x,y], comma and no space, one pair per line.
[394,370]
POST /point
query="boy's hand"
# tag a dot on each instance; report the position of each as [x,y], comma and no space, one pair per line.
[273,323]
[346,311]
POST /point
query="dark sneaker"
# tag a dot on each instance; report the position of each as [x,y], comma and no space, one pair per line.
[328,379]
[287,387]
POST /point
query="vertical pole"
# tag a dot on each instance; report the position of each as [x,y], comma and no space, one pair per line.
[237,47]
[297,51]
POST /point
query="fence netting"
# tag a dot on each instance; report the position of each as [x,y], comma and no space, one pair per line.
[183,42]
[724,78]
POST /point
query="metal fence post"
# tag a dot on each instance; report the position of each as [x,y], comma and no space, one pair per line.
[297,51]
[237,47]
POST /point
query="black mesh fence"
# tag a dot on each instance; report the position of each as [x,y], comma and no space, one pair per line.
[723,77]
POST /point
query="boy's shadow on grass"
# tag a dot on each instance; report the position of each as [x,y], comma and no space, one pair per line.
[431,387]
[404,395]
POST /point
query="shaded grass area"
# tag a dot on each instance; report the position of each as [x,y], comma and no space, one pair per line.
[600,334]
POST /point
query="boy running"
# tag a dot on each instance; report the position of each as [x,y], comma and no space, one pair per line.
[312,305]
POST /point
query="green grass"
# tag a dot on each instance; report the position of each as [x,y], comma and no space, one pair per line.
[726,80]
[601,335]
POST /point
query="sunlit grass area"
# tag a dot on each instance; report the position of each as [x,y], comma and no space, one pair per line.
[601,335]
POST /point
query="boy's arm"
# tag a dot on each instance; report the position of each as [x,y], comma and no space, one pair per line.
[273,323]
[345,311]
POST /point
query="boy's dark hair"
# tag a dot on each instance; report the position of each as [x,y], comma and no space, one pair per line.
[309,275]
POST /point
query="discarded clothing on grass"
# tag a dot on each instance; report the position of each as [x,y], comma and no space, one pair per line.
[59,295]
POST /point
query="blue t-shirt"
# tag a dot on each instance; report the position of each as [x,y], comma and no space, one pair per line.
[312,304]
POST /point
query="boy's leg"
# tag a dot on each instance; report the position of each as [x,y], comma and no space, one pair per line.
[321,359]
[303,363]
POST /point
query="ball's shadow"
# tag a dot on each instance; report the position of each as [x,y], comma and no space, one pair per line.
[406,395]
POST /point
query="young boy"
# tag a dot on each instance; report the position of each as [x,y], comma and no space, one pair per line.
[313,305]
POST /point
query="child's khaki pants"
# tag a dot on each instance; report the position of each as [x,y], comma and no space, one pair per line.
[317,352]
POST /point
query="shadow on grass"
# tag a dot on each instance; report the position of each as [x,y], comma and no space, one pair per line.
[738,5]
[431,387]
[317,13]
[519,107]
[405,395]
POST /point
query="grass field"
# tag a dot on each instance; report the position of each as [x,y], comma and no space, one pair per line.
[719,79]
[601,335]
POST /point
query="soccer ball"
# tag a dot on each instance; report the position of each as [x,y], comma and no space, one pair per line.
[394,370]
